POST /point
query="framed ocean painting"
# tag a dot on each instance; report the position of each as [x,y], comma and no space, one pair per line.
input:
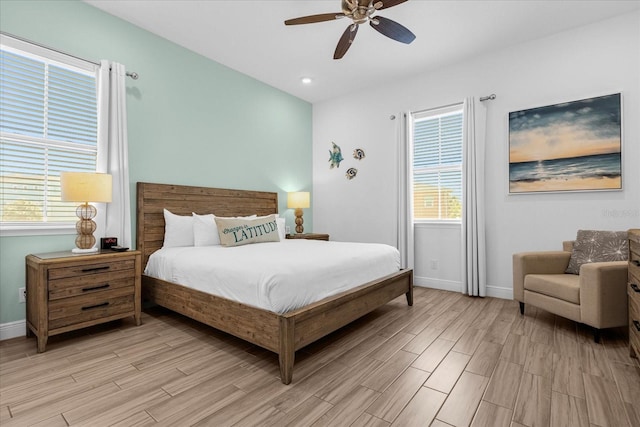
[572,146]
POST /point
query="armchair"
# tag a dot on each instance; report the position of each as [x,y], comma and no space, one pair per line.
[596,297]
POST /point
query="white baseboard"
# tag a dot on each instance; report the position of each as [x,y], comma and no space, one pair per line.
[498,292]
[453,286]
[444,285]
[13,329]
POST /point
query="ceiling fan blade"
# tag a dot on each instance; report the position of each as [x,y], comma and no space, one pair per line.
[392,29]
[345,41]
[388,3]
[314,18]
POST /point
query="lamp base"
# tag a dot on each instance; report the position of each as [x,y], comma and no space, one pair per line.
[84,251]
[299,221]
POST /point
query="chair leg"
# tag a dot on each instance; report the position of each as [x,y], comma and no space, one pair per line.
[596,335]
[521,307]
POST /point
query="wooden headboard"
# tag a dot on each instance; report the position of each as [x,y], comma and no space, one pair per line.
[183,200]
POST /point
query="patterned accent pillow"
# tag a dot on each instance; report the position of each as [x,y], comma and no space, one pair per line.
[240,231]
[597,246]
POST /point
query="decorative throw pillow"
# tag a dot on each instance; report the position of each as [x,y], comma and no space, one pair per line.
[205,230]
[240,231]
[178,230]
[597,246]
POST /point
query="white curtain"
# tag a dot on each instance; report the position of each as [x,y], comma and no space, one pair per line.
[114,149]
[405,191]
[473,220]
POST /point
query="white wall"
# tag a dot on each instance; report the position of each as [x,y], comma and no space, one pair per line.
[594,60]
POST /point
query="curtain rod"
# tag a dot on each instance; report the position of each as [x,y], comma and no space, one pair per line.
[488,98]
[131,74]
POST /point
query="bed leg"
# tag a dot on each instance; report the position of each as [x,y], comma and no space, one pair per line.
[409,296]
[410,293]
[287,352]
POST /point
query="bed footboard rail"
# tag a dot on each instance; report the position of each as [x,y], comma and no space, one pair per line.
[306,325]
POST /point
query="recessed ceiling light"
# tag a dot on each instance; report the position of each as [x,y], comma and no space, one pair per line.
[306,80]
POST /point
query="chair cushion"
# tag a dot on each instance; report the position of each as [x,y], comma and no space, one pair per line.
[562,286]
[597,246]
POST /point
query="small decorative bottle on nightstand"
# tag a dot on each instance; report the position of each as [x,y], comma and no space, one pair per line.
[66,292]
[634,293]
[309,236]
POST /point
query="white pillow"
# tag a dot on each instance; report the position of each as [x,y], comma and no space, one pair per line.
[282,231]
[205,231]
[178,230]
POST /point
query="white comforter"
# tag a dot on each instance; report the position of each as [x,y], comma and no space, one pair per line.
[279,276]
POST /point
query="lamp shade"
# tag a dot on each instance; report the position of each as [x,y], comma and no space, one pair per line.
[85,187]
[298,199]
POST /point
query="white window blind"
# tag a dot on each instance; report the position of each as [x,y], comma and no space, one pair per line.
[437,164]
[48,124]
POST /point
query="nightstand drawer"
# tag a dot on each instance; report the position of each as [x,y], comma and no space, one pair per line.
[70,311]
[84,285]
[634,272]
[81,270]
[634,334]
[634,300]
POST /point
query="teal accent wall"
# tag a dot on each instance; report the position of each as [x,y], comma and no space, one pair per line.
[191,120]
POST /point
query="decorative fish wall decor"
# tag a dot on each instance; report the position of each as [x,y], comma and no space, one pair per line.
[351,173]
[358,154]
[335,156]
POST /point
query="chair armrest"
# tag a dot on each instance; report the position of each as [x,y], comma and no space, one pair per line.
[603,294]
[546,262]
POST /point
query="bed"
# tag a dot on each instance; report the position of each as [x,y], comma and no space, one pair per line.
[283,333]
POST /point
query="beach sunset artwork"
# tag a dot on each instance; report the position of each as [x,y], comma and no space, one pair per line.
[572,146]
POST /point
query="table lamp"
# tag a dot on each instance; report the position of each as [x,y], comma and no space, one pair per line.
[298,201]
[85,187]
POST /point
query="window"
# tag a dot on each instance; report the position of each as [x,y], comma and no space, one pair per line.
[48,124]
[437,164]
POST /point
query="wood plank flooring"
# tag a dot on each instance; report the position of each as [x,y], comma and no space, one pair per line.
[450,360]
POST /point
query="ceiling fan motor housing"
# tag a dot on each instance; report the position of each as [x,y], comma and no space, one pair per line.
[359,11]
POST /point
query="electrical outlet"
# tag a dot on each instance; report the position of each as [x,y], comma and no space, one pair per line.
[22,294]
[287,229]
[434,264]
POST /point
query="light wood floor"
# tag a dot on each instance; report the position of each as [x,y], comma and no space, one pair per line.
[448,360]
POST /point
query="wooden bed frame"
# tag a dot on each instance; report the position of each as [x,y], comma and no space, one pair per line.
[280,333]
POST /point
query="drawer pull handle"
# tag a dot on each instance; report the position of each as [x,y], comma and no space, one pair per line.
[86,270]
[637,325]
[104,304]
[95,288]
[635,287]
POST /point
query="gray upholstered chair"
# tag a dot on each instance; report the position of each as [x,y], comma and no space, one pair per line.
[597,296]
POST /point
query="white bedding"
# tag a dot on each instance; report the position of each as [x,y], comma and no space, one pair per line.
[277,276]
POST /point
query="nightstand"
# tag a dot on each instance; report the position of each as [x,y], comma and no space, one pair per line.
[66,292]
[309,236]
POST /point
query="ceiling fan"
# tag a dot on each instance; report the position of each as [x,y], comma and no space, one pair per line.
[360,12]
